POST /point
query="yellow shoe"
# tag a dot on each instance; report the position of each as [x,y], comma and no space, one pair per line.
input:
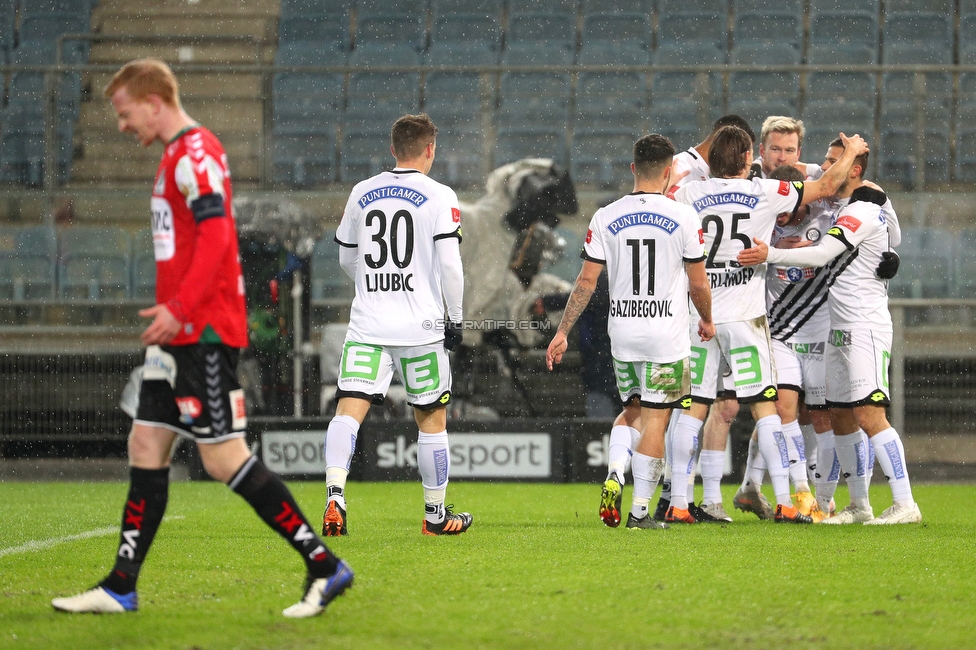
[805,502]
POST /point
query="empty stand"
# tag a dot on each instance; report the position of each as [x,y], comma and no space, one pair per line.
[28,256]
[93,263]
[926,264]
[330,284]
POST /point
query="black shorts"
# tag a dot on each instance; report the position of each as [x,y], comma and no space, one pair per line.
[193,391]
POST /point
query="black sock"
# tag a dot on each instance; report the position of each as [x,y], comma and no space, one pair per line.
[144,509]
[274,503]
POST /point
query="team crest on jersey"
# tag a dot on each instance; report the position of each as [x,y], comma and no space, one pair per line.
[813,235]
[160,187]
[794,274]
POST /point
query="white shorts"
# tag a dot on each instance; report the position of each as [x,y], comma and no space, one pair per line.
[744,346]
[366,370]
[800,367]
[659,385]
[727,384]
[857,367]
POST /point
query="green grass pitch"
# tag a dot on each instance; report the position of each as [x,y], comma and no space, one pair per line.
[537,570]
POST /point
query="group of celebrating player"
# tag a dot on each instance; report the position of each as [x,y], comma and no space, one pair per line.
[698,224]
[786,265]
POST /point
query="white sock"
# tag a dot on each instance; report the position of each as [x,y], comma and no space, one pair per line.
[668,442]
[755,466]
[619,451]
[869,457]
[891,455]
[828,469]
[340,443]
[682,458]
[647,472]
[810,449]
[691,480]
[434,462]
[851,456]
[712,463]
[772,447]
[797,455]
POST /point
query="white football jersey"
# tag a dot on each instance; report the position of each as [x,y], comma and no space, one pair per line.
[858,299]
[645,240]
[394,219]
[796,296]
[689,161]
[732,212]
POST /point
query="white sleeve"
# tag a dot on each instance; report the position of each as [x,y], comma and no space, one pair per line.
[349,260]
[891,220]
[452,276]
[826,250]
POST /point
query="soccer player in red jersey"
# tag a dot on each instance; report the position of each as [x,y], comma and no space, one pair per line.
[198,326]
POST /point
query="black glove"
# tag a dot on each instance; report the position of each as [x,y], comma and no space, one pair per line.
[888,266]
[755,171]
[453,333]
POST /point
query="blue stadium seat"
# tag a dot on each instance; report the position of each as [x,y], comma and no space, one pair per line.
[364,152]
[965,264]
[143,281]
[645,7]
[534,98]
[401,22]
[93,263]
[679,120]
[330,283]
[517,142]
[7,19]
[315,31]
[918,38]
[684,28]
[564,7]
[28,257]
[824,119]
[617,98]
[305,158]
[602,155]
[769,29]
[901,153]
[841,6]
[22,150]
[617,27]
[556,31]
[57,6]
[967,37]
[491,8]
[321,7]
[926,264]
[704,87]
[845,30]
[484,31]
[966,142]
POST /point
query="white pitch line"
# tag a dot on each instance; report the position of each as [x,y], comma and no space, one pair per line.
[41,544]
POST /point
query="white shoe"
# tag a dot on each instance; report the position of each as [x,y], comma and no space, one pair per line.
[717,512]
[320,592]
[850,515]
[97,601]
[899,514]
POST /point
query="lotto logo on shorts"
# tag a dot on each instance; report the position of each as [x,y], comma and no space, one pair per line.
[878,396]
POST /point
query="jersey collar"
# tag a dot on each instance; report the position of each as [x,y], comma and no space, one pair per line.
[182,132]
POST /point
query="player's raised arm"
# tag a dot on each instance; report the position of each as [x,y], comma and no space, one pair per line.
[828,184]
[578,300]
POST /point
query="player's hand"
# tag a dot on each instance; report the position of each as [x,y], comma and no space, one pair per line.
[754,255]
[557,347]
[453,334]
[675,180]
[163,328]
[888,266]
[793,242]
[855,143]
[706,331]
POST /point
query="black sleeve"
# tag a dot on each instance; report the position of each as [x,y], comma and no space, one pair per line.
[207,207]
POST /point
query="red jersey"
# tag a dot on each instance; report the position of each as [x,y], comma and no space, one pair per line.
[198,269]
